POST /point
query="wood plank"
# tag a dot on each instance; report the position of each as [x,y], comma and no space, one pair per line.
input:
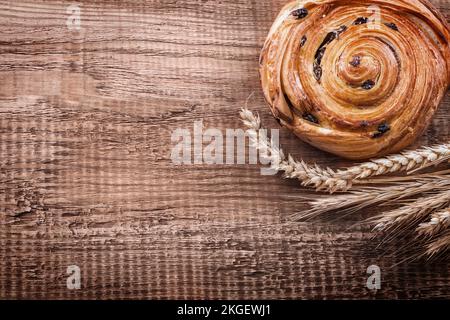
[86,177]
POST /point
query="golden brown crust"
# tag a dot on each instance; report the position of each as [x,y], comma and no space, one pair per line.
[356,78]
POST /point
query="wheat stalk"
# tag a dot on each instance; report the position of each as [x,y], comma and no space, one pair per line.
[365,197]
[439,221]
[438,246]
[411,214]
[412,161]
[308,175]
[342,180]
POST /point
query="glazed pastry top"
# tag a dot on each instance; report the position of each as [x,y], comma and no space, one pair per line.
[356,78]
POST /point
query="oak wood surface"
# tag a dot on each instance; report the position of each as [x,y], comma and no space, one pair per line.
[86,118]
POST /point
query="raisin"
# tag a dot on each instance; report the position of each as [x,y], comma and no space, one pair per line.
[383,128]
[360,20]
[364,124]
[332,36]
[368,84]
[309,117]
[356,61]
[303,41]
[328,39]
[319,55]
[300,13]
[321,50]
[391,25]
[317,72]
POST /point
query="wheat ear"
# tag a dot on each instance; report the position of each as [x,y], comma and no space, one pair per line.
[313,176]
[403,218]
[342,180]
[406,161]
[364,197]
[439,221]
[438,246]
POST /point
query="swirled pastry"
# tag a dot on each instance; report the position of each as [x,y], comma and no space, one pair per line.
[357,78]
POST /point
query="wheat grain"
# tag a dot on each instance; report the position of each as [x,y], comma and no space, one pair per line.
[438,246]
[439,221]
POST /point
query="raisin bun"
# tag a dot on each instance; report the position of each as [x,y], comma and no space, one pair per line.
[357,78]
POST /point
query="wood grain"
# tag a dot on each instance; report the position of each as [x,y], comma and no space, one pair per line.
[86,178]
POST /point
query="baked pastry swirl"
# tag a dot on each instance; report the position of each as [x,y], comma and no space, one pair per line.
[357,78]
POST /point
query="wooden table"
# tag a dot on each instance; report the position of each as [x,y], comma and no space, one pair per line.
[86,118]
